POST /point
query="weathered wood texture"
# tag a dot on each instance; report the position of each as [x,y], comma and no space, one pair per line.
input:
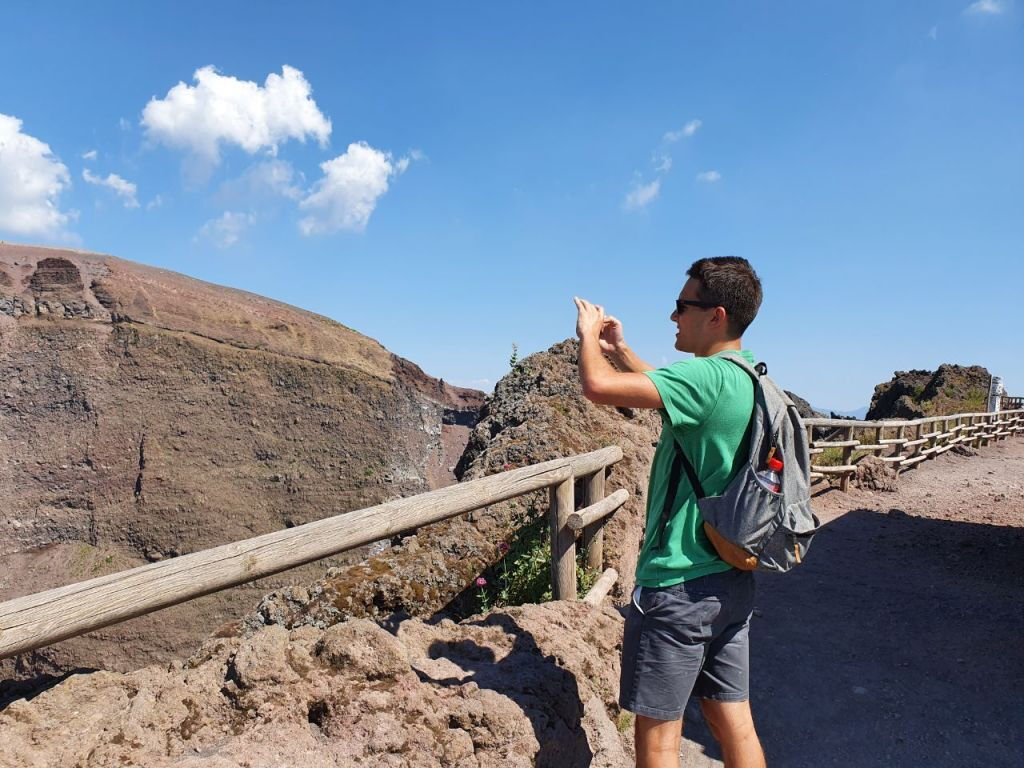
[933,436]
[601,587]
[593,535]
[36,620]
[563,542]
[597,512]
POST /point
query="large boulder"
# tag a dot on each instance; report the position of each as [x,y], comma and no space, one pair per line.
[529,686]
[913,394]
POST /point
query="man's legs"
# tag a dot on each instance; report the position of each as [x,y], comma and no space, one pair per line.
[732,725]
[657,742]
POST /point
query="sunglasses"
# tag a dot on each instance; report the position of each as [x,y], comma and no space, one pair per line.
[682,304]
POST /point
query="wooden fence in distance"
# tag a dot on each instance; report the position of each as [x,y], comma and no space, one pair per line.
[904,443]
[46,617]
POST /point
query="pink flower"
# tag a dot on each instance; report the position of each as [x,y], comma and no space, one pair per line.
[481,581]
[503,547]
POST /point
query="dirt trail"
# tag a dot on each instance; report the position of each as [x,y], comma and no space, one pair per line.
[901,641]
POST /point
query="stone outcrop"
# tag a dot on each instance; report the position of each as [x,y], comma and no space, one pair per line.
[947,390]
[145,414]
[537,413]
[529,686]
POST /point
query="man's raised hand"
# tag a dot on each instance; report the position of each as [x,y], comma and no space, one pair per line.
[590,318]
[611,335]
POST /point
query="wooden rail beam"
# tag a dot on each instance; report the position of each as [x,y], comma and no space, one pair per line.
[46,617]
[595,513]
[601,587]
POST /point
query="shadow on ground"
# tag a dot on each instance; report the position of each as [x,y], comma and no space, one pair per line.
[547,694]
[899,643]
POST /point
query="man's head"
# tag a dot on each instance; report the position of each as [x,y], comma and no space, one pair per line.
[719,300]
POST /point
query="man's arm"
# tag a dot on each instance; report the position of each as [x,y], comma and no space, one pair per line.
[601,383]
[625,359]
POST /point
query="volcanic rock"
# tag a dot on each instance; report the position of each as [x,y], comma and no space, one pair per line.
[537,413]
[914,394]
[529,686]
[145,414]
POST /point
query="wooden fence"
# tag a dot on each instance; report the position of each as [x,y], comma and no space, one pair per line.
[904,443]
[36,620]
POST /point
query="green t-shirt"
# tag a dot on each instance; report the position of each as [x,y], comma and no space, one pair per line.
[707,405]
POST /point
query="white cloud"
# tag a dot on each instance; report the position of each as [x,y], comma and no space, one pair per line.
[709,176]
[222,109]
[992,7]
[125,189]
[348,192]
[31,180]
[90,155]
[123,124]
[933,33]
[687,130]
[226,230]
[641,195]
[663,164]
[156,202]
[265,180]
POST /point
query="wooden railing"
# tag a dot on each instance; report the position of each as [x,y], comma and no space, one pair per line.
[1008,403]
[905,443]
[36,620]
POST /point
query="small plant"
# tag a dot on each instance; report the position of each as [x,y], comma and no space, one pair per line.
[623,721]
[482,596]
[523,575]
[513,359]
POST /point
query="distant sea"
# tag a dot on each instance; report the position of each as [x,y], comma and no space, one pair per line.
[856,413]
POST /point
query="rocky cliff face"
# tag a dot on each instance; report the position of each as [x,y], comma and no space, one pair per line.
[530,686]
[913,394]
[144,414]
[537,413]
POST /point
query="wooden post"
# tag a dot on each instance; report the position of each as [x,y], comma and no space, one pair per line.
[593,535]
[844,483]
[563,542]
[898,452]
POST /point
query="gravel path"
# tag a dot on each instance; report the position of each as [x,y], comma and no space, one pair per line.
[901,641]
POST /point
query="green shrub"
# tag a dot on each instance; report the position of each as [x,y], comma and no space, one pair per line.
[523,575]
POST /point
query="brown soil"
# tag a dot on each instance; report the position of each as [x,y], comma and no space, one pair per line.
[899,642]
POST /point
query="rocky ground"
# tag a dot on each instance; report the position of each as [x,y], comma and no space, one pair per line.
[529,686]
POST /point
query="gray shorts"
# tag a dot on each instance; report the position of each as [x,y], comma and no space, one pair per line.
[688,638]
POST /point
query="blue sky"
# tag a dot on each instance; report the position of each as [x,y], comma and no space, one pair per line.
[445,177]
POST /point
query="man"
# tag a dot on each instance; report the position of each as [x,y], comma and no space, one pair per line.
[687,627]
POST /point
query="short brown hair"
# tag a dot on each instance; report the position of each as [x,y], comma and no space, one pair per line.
[729,282]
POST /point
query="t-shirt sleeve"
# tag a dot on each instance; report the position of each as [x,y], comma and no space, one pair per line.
[689,391]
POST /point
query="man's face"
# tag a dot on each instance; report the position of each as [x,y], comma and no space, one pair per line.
[691,326]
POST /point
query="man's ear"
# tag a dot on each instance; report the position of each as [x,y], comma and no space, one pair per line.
[720,316]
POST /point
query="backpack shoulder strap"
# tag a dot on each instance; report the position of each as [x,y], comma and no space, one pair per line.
[679,462]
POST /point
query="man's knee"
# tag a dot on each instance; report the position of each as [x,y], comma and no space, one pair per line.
[655,736]
[728,719]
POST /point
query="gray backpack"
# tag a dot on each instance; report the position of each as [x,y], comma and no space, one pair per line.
[750,526]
